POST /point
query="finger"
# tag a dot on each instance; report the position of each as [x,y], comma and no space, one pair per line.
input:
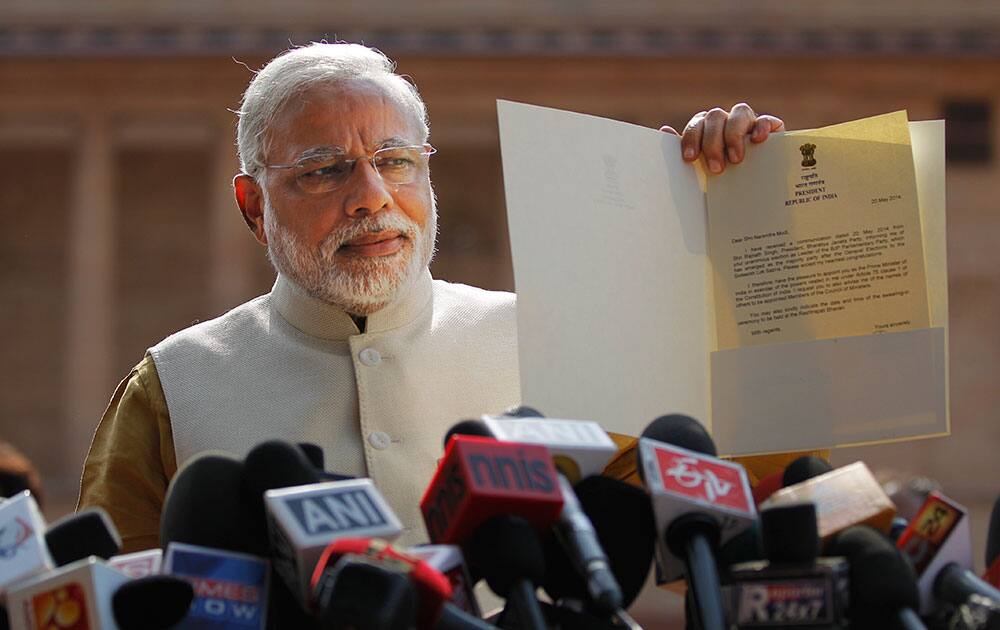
[739,124]
[669,129]
[765,126]
[691,138]
[713,141]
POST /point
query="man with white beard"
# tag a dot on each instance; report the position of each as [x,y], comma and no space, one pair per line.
[356,348]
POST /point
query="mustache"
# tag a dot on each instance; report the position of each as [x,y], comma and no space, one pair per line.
[369,225]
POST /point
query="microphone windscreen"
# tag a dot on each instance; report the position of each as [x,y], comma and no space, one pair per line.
[804,468]
[743,547]
[12,483]
[468,427]
[357,594]
[623,519]
[89,532]
[205,506]
[154,602]
[767,486]
[881,579]
[993,535]
[790,533]
[314,453]
[683,431]
[522,411]
[276,464]
[505,549]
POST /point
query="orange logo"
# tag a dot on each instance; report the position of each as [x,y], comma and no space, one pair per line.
[64,608]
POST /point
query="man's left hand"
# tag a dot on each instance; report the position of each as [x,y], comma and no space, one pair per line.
[721,136]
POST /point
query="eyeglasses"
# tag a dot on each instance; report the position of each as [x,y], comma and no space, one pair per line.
[395,165]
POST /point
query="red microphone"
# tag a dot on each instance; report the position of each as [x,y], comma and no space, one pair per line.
[480,478]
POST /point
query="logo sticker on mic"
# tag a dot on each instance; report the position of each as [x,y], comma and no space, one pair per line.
[709,480]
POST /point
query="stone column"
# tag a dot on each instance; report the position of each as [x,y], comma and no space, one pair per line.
[91,316]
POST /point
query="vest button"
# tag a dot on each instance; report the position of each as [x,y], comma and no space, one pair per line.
[370,356]
[379,440]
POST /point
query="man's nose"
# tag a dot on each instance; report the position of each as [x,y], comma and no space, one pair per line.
[366,191]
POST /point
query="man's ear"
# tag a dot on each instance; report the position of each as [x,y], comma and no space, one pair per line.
[250,199]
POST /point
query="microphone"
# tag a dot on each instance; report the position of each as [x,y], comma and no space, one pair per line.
[153,602]
[230,588]
[303,520]
[492,499]
[358,593]
[698,501]
[23,552]
[205,506]
[89,532]
[77,595]
[804,469]
[883,585]
[449,561]
[793,588]
[138,564]
[938,543]
[579,449]
[845,496]
[431,588]
[622,516]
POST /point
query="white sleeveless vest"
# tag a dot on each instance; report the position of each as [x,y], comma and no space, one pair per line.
[287,366]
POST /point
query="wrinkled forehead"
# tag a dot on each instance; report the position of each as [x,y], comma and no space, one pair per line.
[345,114]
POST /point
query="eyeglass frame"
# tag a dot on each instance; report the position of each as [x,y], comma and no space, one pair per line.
[427,151]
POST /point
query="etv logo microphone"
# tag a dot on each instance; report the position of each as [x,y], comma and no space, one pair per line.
[708,480]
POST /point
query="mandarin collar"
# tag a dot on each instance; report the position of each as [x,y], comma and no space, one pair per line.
[325,321]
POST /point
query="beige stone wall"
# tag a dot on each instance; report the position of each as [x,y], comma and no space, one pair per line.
[119,226]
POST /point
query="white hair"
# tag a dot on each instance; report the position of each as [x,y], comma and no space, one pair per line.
[286,77]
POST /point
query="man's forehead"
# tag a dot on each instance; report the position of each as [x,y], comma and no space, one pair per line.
[333,119]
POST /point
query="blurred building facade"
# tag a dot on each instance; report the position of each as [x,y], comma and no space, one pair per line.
[117,149]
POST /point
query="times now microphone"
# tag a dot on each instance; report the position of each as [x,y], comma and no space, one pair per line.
[23,552]
[793,588]
[230,589]
[303,520]
[845,496]
[699,501]
[77,595]
[939,545]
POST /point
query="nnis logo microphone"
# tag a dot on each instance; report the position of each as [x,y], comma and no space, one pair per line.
[478,476]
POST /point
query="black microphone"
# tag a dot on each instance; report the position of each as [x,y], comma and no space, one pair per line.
[89,532]
[357,593]
[993,535]
[623,519]
[793,588]
[699,501]
[207,506]
[883,584]
[154,602]
[803,469]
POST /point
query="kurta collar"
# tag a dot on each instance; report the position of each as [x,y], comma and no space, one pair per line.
[325,321]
